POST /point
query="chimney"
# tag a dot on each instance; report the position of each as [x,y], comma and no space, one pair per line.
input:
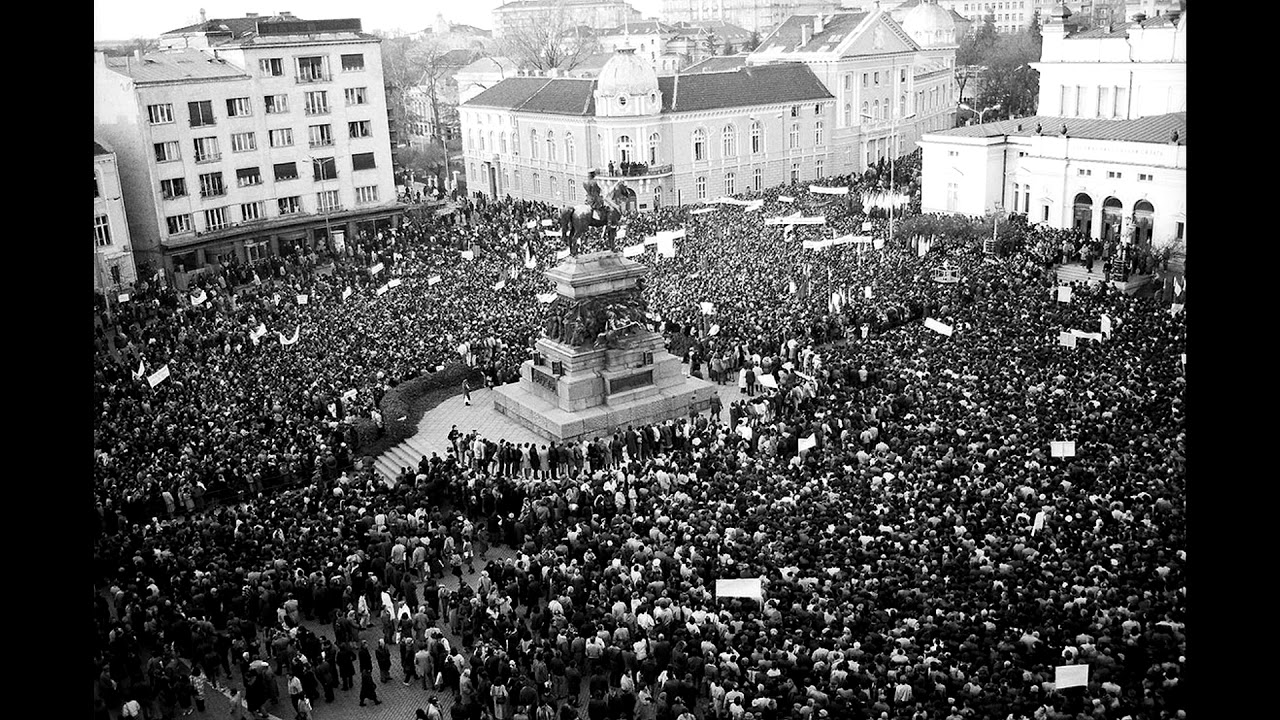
[137,54]
[817,25]
[203,19]
[806,34]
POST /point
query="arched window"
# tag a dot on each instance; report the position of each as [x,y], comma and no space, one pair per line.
[757,138]
[757,178]
[729,144]
[481,136]
[700,145]
[569,189]
[657,197]
[533,151]
[654,141]
[502,138]
[551,147]
[570,152]
[515,179]
[700,185]
[866,110]
[626,151]
[817,132]
[537,186]
[902,106]
[553,186]
[793,136]
[848,114]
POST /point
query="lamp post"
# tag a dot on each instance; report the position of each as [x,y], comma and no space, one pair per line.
[982,112]
[893,132]
[324,207]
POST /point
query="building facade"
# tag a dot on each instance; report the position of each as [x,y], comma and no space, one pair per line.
[1124,71]
[888,89]
[1008,16]
[1106,178]
[672,139]
[596,14]
[257,137]
[113,263]
[760,16]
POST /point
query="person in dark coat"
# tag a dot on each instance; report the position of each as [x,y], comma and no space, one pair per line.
[383,655]
[368,688]
[366,659]
[346,666]
[326,677]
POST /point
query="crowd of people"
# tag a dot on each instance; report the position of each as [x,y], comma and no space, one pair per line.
[922,552]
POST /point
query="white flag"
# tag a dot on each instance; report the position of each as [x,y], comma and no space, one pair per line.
[346,293]
[142,370]
[707,308]
[158,376]
[1064,293]
[292,340]
[198,297]
[807,443]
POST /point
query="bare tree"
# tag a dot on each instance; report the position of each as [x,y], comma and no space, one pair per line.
[552,40]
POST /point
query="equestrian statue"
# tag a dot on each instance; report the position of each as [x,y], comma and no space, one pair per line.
[596,212]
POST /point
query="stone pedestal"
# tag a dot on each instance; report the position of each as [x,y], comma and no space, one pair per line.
[571,392]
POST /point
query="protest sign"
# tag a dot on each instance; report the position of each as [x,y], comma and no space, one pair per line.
[433,280]
[394,282]
[158,376]
[1062,448]
[468,255]
[562,254]
[381,290]
[302,299]
[1066,339]
[122,298]
[938,327]
[375,269]
[819,190]
[866,292]
[707,308]
[745,587]
[551,233]
[1065,676]
[807,443]
[198,297]
[1064,293]
[346,293]
[768,381]
[786,199]
[633,250]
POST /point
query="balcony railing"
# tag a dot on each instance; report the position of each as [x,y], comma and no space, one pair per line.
[209,158]
[637,170]
[213,192]
[317,110]
[313,77]
[331,208]
[321,143]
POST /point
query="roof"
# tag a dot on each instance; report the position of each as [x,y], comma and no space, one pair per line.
[175,66]
[490,64]
[1120,30]
[236,26]
[718,63]
[460,57]
[787,36]
[98,149]
[755,85]
[758,85]
[640,27]
[723,30]
[1156,129]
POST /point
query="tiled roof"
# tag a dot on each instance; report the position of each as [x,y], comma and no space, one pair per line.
[460,57]
[755,85]
[642,27]
[490,64]
[99,150]
[1121,29]
[1157,129]
[554,96]
[723,30]
[718,63]
[175,65]
[758,85]
[787,36]
[237,26]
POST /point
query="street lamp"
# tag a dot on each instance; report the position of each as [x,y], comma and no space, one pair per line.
[893,132]
[324,207]
[983,112]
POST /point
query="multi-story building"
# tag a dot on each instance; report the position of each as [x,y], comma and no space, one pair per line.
[596,14]
[673,139]
[260,136]
[760,16]
[1121,71]
[888,88]
[113,261]
[1008,16]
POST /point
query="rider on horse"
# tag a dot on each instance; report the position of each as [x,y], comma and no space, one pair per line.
[599,211]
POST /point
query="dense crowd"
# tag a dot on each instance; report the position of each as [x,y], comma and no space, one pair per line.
[926,557]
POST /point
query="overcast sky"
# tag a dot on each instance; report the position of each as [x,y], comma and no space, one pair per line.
[127,19]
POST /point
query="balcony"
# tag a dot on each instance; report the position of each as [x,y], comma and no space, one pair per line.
[317,110]
[637,170]
[213,192]
[208,158]
[307,78]
[328,209]
[321,143]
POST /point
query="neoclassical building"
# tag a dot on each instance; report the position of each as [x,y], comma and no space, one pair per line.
[673,139]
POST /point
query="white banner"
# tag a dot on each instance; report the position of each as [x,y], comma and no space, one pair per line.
[786,199]
[633,250]
[1096,337]
[745,587]
[562,254]
[783,219]
[142,370]
[433,280]
[707,308]
[394,282]
[1175,308]
[807,442]
[302,299]
[1066,448]
[703,211]
[531,224]
[1064,293]
[158,376]
[938,327]
[820,190]
[122,298]
[667,246]
[382,290]
[551,233]
[258,332]
[198,297]
[768,381]
[375,269]
[291,340]
[815,220]
[754,206]
[878,244]
[1066,339]
[546,297]
[346,293]
[468,255]
[1065,676]
[548,223]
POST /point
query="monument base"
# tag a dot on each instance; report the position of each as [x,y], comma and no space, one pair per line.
[523,405]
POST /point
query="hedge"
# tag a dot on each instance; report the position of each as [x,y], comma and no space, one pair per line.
[401,401]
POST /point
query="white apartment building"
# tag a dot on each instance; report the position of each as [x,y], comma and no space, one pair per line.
[113,263]
[596,14]
[759,16]
[249,137]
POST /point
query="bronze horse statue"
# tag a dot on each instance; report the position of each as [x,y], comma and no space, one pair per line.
[575,219]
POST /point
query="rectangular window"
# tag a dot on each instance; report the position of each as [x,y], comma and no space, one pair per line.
[903,76]
[207,150]
[817,133]
[317,102]
[201,113]
[327,201]
[864,79]
[289,205]
[248,177]
[1121,107]
[352,63]
[729,182]
[211,185]
[1044,215]
[311,69]
[876,79]
[356,96]
[848,81]
[320,135]
[1182,230]
[215,218]
[1079,112]
[515,179]
[1112,174]
[953,153]
[1063,92]
[178,224]
[271,67]
[758,179]
[366,194]
[700,185]
[244,142]
[160,114]
[795,111]
[360,129]
[276,104]
[252,211]
[795,173]
[1144,177]
[95,185]
[281,138]
[817,173]
[324,168]
[1084,173]
[793,136]
[362,161]
[101,232]
[286,171]
[175,188]
[239,107]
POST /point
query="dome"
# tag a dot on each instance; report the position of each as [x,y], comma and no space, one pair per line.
[627,74]
[930,25]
